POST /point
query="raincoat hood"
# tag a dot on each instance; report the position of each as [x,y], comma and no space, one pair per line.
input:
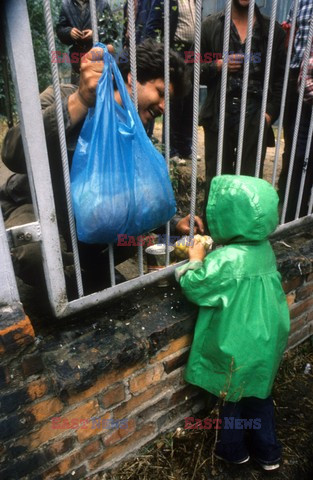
[241,209]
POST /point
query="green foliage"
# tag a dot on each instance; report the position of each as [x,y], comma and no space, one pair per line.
[42,58]
[37,23]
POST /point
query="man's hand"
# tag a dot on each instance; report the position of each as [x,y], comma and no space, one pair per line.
[87,35]
[91,68]
[196,251]
[76,34]
[234,63]
[183,226]
[268,119]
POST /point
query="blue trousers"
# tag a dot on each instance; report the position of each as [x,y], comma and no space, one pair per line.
[253,431]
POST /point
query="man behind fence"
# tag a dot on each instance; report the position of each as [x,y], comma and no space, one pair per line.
[304,17]
[15,196]
[213,58]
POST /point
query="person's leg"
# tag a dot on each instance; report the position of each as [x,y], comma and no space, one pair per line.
[176,125]
[288,124]
[231,444]
[300,165]
[264,446]
[27,259]
[211,150]
[184,133]
[250,146]
[94,262]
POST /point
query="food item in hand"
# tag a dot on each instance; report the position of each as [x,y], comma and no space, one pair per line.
[181,247]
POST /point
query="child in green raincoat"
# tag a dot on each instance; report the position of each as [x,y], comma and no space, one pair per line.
[243,322]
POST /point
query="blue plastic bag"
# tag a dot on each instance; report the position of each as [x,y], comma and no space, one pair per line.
[119,181]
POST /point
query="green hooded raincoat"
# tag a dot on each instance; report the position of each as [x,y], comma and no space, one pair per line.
[243,321]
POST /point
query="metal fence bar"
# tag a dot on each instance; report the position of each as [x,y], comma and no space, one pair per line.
[244,94]
[119,290]
[265,86]
[133,72]
[311,202]
[298,118]
[284,91]
[25,79]
[94,20]
[8,291]
[223,88]
[63,147]
[305,165]
[166,123]
[196,89]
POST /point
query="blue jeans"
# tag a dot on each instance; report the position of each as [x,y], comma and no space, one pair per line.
[257,438]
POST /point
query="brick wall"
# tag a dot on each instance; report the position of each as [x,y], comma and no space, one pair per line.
[125,362]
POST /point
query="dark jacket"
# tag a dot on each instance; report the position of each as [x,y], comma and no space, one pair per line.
[212,36]
[142,15]
[155,23]
[71,16]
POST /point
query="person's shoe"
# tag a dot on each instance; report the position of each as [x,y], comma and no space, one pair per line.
[235,462]
[189,157]
[268,467]
[178,160]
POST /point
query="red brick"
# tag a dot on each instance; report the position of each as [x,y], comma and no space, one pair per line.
[173,347]
[183,395]
[305,291]
[176,362]
[37,389]
[301,307]
[298,323]
[130,444]
[145,379]
[32,364]
[116,394]
[65,466]
[92,449]
[292,284]
[47,432]
[46,409]
[102,383]
[291,297]
[133,403]
[93,428]
[16,334]
[120,433]
[300,336]
[60,447]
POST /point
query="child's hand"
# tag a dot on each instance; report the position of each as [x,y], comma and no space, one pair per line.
[196,251]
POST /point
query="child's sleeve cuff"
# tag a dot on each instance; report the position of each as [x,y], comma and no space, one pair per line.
[180,271]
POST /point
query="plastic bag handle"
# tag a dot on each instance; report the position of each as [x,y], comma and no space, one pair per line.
[126,100]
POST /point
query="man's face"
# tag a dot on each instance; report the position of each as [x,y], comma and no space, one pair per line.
[151,99]
[241,4]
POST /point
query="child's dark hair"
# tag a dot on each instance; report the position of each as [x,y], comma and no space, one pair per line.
[150,65]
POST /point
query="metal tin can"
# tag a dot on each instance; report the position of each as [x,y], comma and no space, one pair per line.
[156,259]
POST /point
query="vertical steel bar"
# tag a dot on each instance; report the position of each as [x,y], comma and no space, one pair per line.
[166,123]
[265,86]
[133,71]
[244,93]
[63,147]
[305,165]
[8,291]
[196,88]
[111,265]
[284,92]
[223,87]
[298,118]
[20,49]
[94,20]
